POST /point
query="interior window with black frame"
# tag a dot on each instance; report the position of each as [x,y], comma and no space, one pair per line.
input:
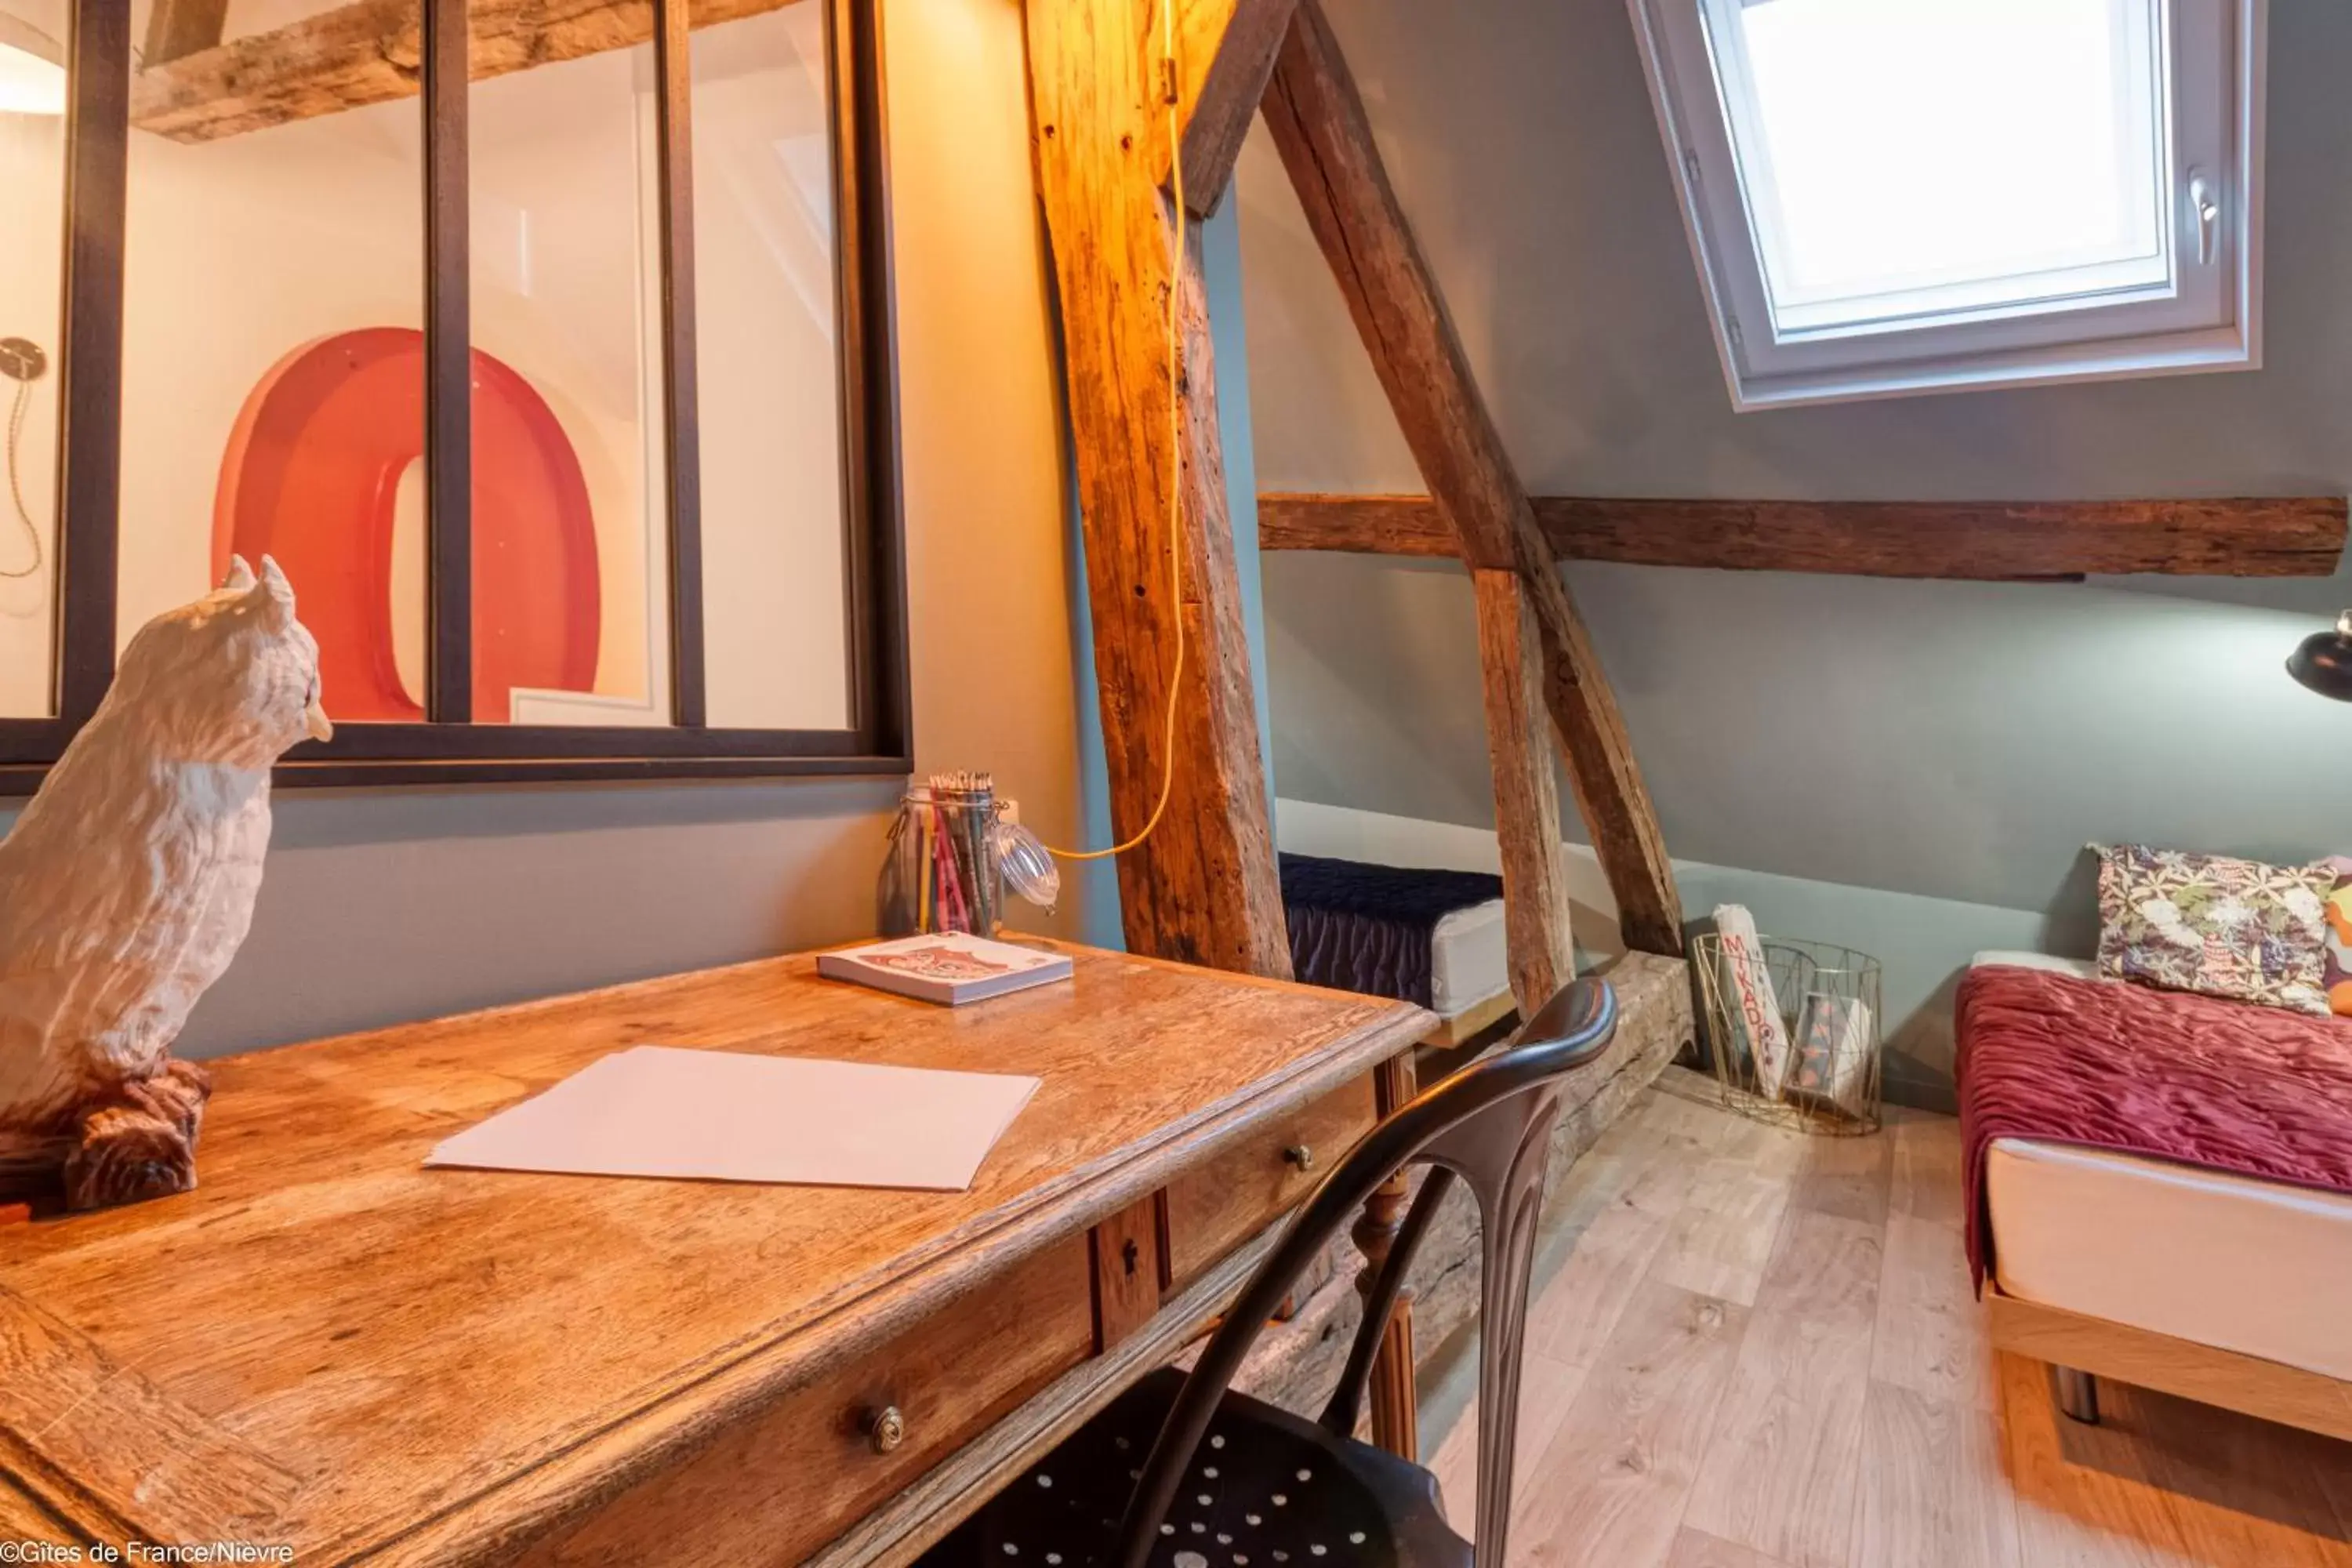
[559,386]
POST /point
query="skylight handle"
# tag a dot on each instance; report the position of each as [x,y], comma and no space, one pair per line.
[2208,211]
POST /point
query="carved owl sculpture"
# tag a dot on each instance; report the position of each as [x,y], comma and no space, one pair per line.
[128,885]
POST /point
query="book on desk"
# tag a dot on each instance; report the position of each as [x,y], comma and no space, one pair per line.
[950,968]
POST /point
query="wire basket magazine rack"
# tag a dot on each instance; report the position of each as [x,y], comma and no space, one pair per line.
[1801,1049]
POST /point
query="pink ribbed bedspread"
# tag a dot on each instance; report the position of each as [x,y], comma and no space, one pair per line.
[2257,1091]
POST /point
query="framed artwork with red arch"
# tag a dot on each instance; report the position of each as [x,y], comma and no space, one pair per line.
[444,503]
[311,477]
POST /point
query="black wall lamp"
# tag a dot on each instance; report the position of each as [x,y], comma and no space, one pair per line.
[2323,662]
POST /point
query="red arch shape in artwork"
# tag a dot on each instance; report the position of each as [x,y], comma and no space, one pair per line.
[311,476]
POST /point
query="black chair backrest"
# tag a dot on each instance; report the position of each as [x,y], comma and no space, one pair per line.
[1489,1127]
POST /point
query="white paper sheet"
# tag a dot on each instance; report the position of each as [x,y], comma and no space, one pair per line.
[655,1111]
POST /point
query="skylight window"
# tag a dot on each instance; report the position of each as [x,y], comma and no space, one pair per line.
[1905,196]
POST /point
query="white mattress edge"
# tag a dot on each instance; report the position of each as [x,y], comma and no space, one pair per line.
[2171,1173]
[2214,1257]
[1469,952]
[1995,958]
[1456,922]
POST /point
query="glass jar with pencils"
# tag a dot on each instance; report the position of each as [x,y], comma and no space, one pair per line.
[954,850]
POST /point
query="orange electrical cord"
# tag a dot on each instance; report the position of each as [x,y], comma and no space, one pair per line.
[1175,456]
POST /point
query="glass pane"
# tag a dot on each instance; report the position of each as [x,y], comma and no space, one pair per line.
[571,589]
[274,381]
[774,601]
[1975,145]
[32,195]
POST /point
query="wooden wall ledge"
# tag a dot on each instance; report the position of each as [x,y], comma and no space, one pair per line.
[2289,536]
[369,53]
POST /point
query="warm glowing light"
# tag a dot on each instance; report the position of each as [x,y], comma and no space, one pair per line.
[32,70]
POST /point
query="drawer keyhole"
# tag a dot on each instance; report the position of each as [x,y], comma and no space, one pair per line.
[1131,1255]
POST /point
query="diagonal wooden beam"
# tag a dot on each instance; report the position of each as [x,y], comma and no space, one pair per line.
[1203,887]
[1527,798]
[2261,536]
[1226,53]
[1320,127]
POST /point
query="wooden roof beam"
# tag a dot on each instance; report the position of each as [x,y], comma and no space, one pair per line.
[179,27]
[1537,934]
[2282,536]
[1326,142]
[1224,57]
[1203,887]
[198,88]
[371,52]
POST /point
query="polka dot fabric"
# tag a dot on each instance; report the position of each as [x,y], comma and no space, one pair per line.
[1265,1489]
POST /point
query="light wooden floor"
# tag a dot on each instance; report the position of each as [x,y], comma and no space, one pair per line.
[1762,1353]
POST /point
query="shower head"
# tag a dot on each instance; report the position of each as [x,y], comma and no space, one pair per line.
[21,359]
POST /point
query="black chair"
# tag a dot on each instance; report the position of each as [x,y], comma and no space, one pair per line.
[1180,1473]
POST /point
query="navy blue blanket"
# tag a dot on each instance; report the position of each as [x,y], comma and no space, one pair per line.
[1355,927]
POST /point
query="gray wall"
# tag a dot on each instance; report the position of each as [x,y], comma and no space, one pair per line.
[1946,742]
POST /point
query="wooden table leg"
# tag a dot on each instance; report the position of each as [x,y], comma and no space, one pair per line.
[1396,1421]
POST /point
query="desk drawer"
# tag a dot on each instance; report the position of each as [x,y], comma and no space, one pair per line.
[774,1486]
[1240,1192]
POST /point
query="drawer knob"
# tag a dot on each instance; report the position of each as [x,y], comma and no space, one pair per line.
[1300,1155]
[885,1428]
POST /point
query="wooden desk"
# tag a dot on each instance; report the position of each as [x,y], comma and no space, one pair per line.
[330,1347]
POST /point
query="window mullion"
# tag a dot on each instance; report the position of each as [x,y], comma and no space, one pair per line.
[682,464]
[90,373]
[449,385]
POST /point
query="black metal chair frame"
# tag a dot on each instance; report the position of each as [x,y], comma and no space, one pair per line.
[1489,1127]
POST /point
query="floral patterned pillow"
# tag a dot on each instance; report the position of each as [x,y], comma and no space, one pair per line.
[2234,928]
[2338,973]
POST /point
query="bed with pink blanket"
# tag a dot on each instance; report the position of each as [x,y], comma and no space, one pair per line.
[2170,1163]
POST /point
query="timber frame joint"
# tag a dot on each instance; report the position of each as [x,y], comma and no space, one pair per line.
[1320,129]
[1203,887]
